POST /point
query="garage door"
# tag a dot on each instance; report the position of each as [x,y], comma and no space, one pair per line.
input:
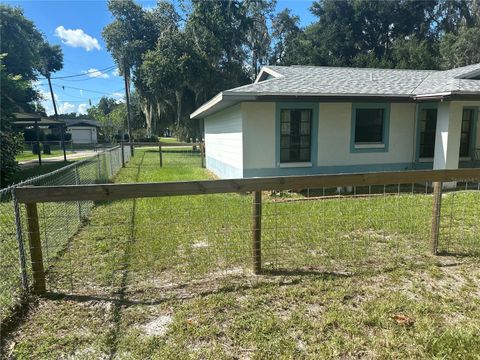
[81,136]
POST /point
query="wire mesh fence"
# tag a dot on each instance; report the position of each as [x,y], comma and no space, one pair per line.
[151,248]
[57,223]
[172,155]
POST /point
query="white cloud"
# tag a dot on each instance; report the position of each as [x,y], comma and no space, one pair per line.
[66,108]
[116,72]
[82,109]
[120,97]
[77,38]
[93,73]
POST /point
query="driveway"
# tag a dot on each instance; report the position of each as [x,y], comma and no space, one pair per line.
[70,156]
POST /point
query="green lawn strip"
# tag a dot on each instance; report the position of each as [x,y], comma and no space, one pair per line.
[26,155]
[170,278]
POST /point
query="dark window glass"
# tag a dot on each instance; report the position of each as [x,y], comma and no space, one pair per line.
[466,134]
[428,128]
[295,135]
[369,125]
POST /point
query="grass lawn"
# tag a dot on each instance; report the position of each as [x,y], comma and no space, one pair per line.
[168,139]
[27,155]
[169,278]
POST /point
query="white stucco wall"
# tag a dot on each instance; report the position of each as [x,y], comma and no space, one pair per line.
[259,134]
[223,143]
[243,138]
[334,132]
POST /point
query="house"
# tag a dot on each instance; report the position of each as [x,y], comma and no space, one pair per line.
[83,131]
[298,120]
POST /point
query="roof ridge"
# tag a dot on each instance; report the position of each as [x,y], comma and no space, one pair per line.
[353,67]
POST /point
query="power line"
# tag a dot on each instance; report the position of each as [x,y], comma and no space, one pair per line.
[92,91]
[83,74]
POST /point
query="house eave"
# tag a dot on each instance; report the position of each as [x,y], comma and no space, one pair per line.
[226,99]
[448,96]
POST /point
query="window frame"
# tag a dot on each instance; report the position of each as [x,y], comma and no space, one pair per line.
[313,107]
[366,147]
[473,132]
[420,132]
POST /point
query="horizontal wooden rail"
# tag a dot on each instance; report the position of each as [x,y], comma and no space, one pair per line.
[163,144]
[96,192]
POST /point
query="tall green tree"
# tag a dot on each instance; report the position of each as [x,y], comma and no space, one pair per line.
[23,56]
[286,39]
[461,49]
[258,35]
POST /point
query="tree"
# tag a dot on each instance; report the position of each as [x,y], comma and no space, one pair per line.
[368,33]
[15,92]
[258,36]
[462,49]
[20,39]
[22,50]
[286,35]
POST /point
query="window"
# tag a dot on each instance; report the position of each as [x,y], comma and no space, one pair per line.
[466,132]
[295,135]
[428,128]
[369,126]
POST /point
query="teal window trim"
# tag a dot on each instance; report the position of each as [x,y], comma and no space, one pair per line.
[473,135]
[386,128]
[279,106]
[421,107]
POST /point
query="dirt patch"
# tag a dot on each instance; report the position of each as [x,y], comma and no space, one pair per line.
[158,326]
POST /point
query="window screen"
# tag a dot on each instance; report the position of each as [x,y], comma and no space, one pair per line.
[428,128]
[295,135]
[466,133]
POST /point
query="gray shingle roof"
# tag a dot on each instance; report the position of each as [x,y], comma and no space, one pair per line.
[81,122]
[322,81]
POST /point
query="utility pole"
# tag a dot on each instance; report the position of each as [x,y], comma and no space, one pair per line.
[62,131]
[126,75]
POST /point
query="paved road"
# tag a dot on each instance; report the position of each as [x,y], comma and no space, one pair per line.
[70,156]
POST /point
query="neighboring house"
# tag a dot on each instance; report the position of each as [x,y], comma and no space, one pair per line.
[299,120]
[83,131]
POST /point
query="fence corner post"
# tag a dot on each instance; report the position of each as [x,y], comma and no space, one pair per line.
[160,154]
[123,155]
[35,244]
[257,232]
[436,212]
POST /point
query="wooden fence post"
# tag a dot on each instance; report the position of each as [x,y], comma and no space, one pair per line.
[160,154]
[123,155]
[38,272]
[257,232]
[436,212]
[202,154]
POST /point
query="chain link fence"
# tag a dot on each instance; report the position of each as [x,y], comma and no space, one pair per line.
[58,222]
[150,248]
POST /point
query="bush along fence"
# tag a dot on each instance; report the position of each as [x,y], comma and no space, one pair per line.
[57,224]
[161,233]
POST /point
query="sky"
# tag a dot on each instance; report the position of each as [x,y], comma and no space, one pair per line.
[77,27]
